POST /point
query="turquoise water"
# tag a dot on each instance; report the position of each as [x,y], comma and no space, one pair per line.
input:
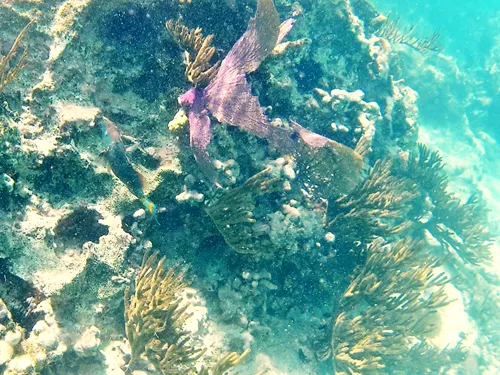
[468,29]
[185,189]
[469,34]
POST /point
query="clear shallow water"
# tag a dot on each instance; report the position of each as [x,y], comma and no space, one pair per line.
[468,29]
[74,227]
[470,35]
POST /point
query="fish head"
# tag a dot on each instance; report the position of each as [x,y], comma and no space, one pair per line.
[109,132]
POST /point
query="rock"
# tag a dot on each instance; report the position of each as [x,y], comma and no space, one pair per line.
[45,335]
[23,364]
[90,342]
[6,352]
[13,337]
[4,312]
[140,214]
[329,237]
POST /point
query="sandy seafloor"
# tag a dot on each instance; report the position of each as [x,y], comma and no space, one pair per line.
[67,289]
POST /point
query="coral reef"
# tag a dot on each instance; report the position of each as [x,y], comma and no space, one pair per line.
[359,60]
[351,106]
[154,319]
[388,310]
[391,30]
[199,70]
[338,231]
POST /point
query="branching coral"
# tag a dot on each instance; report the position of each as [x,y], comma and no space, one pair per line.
[233,215]
[225,363]
[426,167]
[387,310]
[410,198]
[154,317]
[376,207]
[459,226]
[391,30]
[9,68]
[198,54]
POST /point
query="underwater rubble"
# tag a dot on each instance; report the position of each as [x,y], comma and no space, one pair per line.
[135,239]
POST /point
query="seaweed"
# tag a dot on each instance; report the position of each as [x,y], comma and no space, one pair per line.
[12,63]
[154,317]
[198,53]
[387,312]
[393,31]
[232,212]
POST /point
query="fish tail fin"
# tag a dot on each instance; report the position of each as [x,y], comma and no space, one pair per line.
[149,206]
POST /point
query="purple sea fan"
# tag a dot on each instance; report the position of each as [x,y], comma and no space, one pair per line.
[228,99]
[228,96]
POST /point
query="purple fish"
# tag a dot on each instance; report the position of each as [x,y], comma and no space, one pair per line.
[228,97]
